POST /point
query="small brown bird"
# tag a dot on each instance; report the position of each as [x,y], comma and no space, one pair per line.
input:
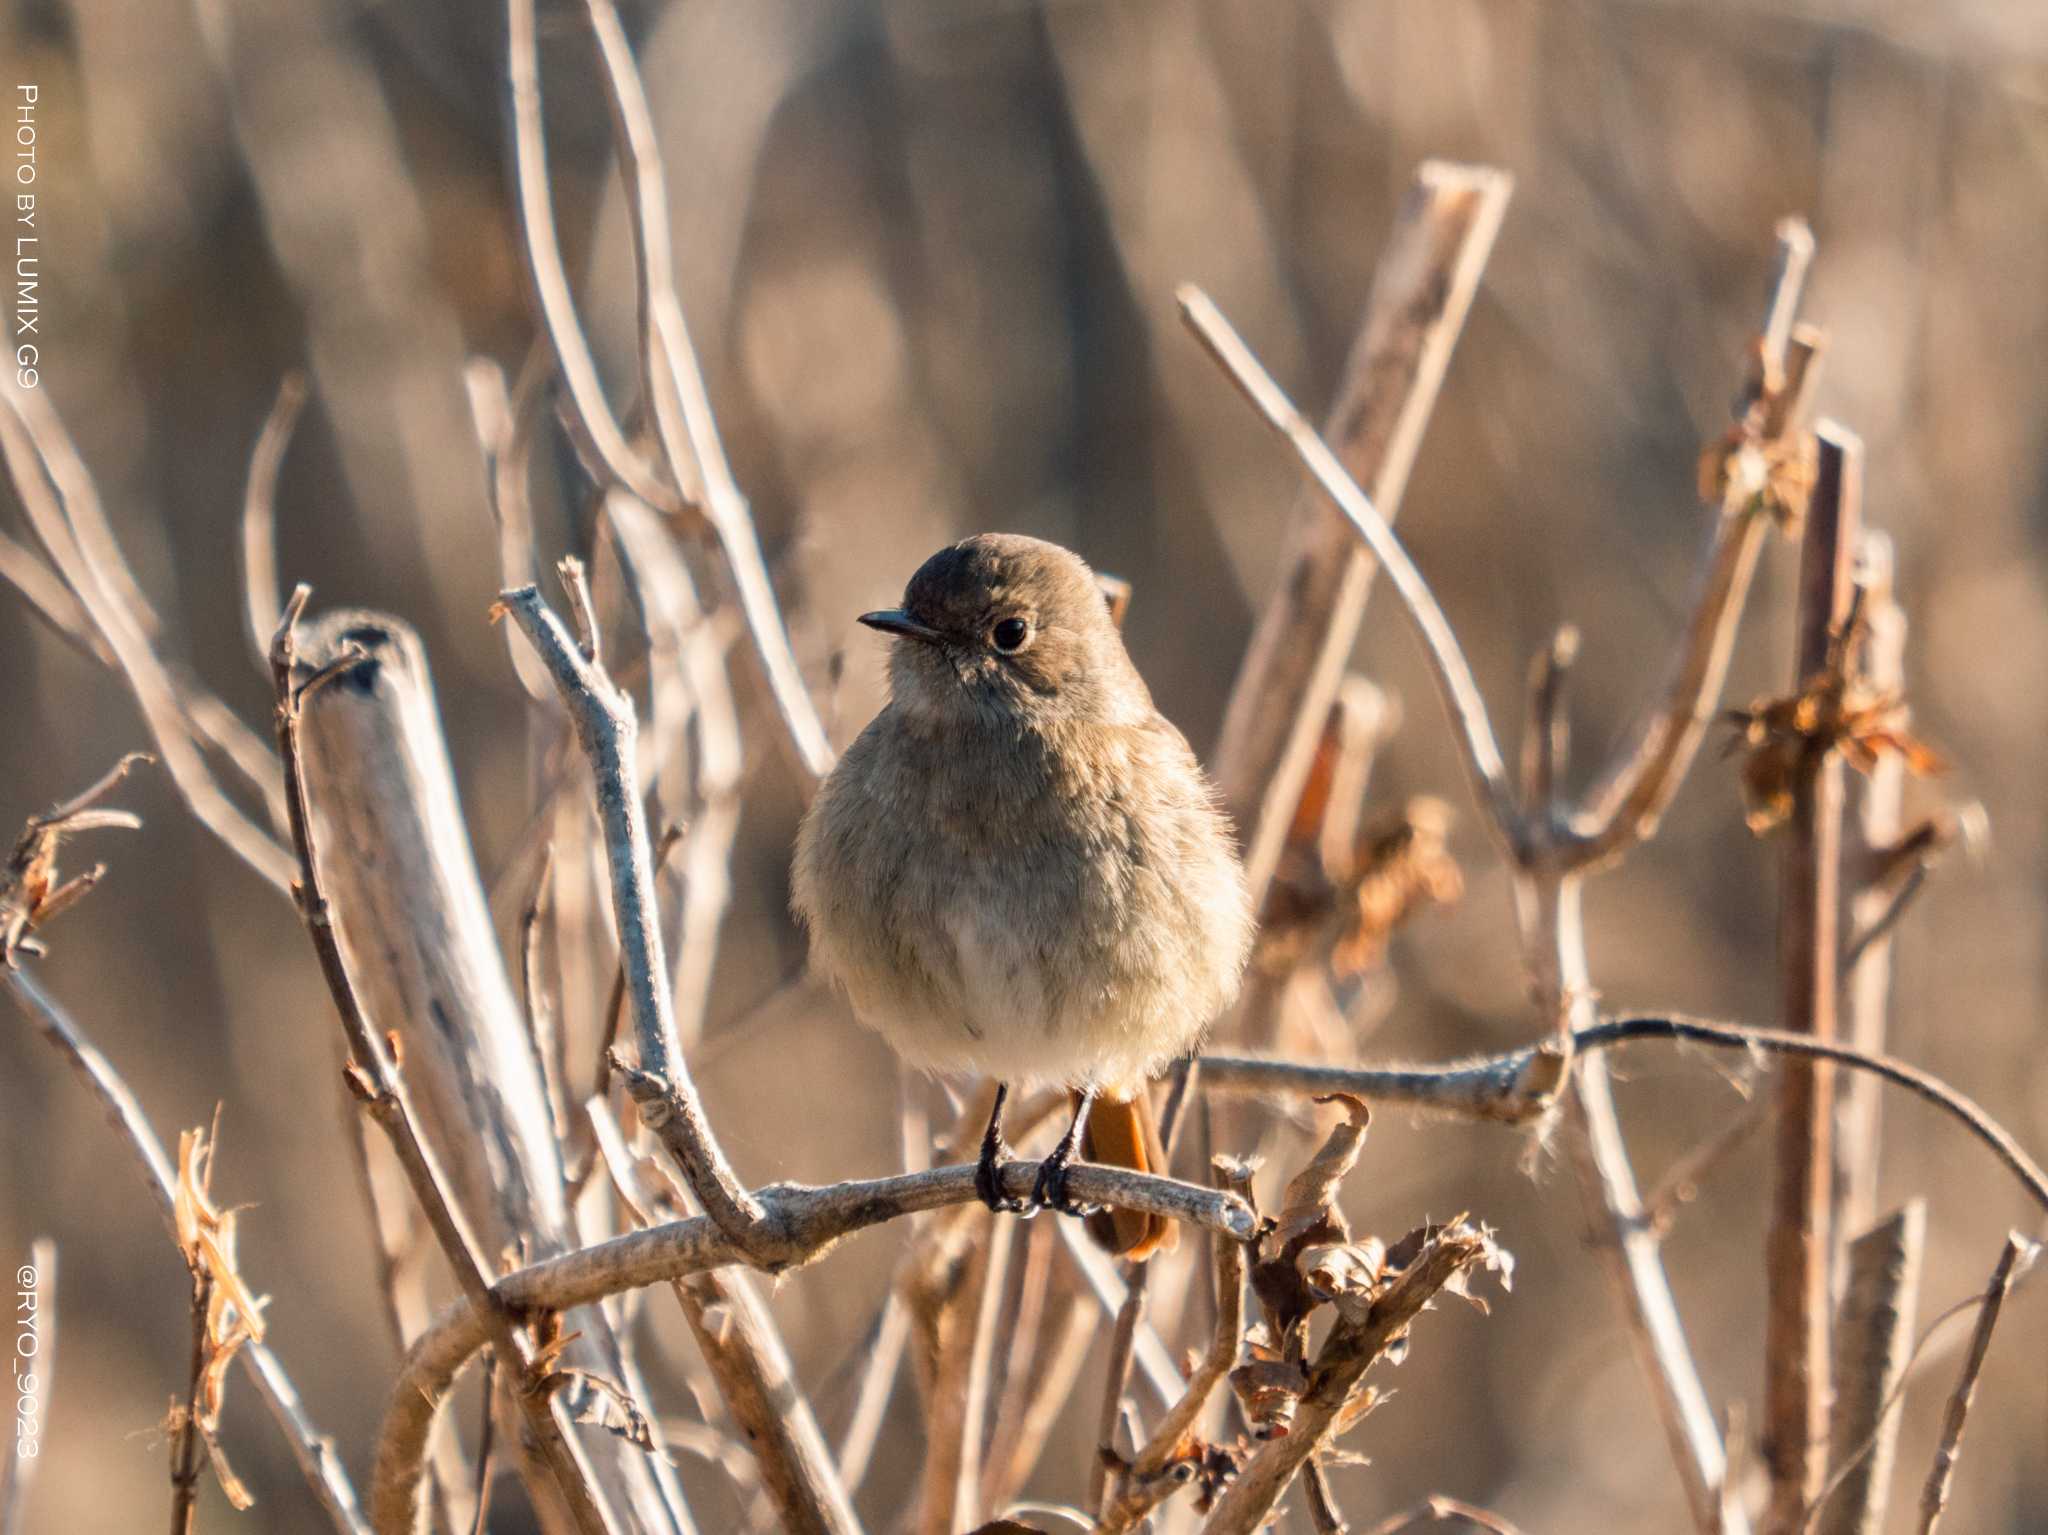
[1019,870]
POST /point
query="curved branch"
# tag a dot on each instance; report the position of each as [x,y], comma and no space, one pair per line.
[813,1219]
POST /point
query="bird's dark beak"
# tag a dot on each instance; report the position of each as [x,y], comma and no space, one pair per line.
[896,621]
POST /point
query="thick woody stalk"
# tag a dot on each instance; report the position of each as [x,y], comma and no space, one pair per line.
[1873,1340]
[374,1077]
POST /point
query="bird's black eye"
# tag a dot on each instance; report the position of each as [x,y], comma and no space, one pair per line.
[1010,634]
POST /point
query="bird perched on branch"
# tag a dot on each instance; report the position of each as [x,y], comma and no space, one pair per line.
[1019,870]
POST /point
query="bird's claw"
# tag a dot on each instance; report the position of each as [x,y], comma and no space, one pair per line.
[1049,1190]
[988,1182]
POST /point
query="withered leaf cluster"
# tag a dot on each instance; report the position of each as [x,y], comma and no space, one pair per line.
[31,889]
[1308,1259]
[1760,462]
[233,1316]
[1837,709]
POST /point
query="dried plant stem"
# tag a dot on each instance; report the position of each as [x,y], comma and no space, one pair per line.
[186,1452]
[33,1308]
[1361,1335]
[877,1384]
[375,1079]
[2017,1253]
[956,1415]
[1800,1241]
[1874,827]
[313,1450]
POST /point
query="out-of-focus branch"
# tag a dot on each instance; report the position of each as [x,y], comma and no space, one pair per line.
[313,1450]
[261,596]
[1625,807]
[1446,657]
[32,1309]
[1442,1510]
[1422,290]
[593,425]
[681,405]
[956,1413]
[1872,1337]
[660,1085]
[2017,1254]
[1800,1241]
[63,505]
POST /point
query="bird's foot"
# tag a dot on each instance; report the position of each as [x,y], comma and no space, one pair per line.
[1049,1190]
[988,1180]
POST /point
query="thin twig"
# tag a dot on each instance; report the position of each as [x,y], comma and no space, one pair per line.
[259,515]
[1800,1242]
[186,1460]
[374,1077]
[2013,1259]
[313,1450]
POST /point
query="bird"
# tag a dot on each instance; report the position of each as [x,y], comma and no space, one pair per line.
[1019,871]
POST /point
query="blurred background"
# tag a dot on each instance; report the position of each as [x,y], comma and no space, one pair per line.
[929,250]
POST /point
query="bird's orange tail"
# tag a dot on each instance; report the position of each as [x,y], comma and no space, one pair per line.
[1124,1132]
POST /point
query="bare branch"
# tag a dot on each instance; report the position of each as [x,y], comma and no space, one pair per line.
[814,1220]
[731,1324]
[2017,1255]
[1160,1465]
[1486,1086]
[661,1084]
